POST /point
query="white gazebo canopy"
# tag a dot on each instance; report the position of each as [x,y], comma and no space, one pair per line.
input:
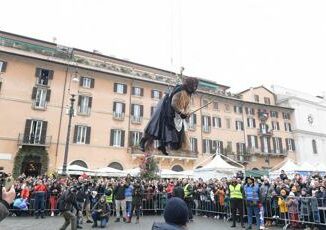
[75,170]
[108,171]
[217,163]
[132,172]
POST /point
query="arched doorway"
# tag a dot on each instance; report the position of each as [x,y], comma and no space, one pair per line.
[116,165]
[177,168]
[31,166]
[79,163]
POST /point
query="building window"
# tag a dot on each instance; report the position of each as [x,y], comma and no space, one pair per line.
[241,148]
[314,146]
[275,125]
[265,144]
[274,114]
[251,122]
[206,121]
[252,141]
[118,110]
[137,91]
[267,100]
[257,98]
[215,105]
[286,116]
[82,134]
[264,128]
[217,122]
[120,88]
[117,137]
[43,76]
[135,138]
[79,163]
[207,146]
[239,125]
[205,102]
[217,147]
[156,94]
[228,123]
[177,168]
[277,145]
[35,132]
[250,111]
[115,165]
[86,82]
[3,66]
[137,112]
[238,109]
[192,121]
[290,145]
[287,127]
[153,109]
[40,100]
[84,105]
[193,145]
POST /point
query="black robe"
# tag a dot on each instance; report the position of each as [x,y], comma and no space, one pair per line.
[161,125]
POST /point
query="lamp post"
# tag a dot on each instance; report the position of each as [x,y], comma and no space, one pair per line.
[71,114]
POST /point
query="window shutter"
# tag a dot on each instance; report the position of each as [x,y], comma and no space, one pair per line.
[287,143]
[92,82]
[122,138]
[285,127]
[274,144]
[247,110]
[214,125]
[4,67]
[152,94]
[221,147]
[114,106]
[81,81]
[132,109]
[204,146]
[209,121]
[90,102]
[240,109]
[269,144]
[290,128]
[238,148]
[276,114]
[254,120]
[256,142]
[262,144]
[196,147]
[38,72]
[141,92]
[242,128]
[194,118]
[123,107]
[249,141]
[202,120]
[220,122]
[43,133]
[51,72]
[88,135]
[210,146]
[133,91]
[235,109]
[27,130]
[141,110]
[278,125]
[111,137]
[79,100]
[130,139]
[281,145]
[34,93]
[48,95]
[115,85]
[248,122]
[293,144]
[75,134]
[124,88]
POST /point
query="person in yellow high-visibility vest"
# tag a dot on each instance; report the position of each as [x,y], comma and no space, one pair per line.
[235,191]
[188,192]
[109,196]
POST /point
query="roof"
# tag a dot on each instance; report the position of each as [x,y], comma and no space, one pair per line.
[258,88]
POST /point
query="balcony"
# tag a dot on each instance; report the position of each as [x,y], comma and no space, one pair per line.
[206,129]
[240,158]
[191,127]
[272,153]
[136,119]
[118,116]
[134,150]
[264,132]
[33,141]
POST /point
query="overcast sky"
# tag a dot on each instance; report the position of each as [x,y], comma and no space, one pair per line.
[238,43]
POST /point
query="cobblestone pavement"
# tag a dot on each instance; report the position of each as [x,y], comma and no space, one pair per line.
[54,223]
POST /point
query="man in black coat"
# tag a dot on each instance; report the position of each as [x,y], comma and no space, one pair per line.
[70,203]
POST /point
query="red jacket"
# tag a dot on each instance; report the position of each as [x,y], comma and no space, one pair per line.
[40,188]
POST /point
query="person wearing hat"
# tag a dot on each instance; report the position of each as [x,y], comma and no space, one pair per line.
[293,210]
[175,215]
[235,191]
[251,190]
[101,212]
[69,199]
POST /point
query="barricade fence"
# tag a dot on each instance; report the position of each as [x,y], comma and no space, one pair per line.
[290,211]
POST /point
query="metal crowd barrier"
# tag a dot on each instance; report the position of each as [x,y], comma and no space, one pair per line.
[293,212]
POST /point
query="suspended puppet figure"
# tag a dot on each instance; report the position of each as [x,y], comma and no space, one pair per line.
[167,125]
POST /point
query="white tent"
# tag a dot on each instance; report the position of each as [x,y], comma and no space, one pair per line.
[133,172]
[288,166]
[109,172]
[186,174]
[305,166]
[167,173]
[216,168]
[320,167]
[76,170]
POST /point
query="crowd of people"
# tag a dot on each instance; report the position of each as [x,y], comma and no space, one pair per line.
[296,202]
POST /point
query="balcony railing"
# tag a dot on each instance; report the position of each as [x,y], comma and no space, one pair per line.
[206,129]
[33,140]
[136,119]
[39,105]
[182,154]
[84,111]
[272,153]
[264,132]
[118,116]
[240,158]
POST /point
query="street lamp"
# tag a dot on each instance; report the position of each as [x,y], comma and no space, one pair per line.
[71,114]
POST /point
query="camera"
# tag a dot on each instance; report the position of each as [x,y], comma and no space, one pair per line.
[3,178]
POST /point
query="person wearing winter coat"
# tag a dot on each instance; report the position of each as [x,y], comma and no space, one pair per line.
[293,209]
[101,212]
[137,198]
[128,198]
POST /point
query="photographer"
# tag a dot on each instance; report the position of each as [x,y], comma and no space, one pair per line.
[7,199]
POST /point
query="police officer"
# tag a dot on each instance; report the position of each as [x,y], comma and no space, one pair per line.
[188,193]
[109,196]
[236,199]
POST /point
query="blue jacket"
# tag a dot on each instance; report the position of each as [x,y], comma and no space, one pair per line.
[252,192]
[129,191]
